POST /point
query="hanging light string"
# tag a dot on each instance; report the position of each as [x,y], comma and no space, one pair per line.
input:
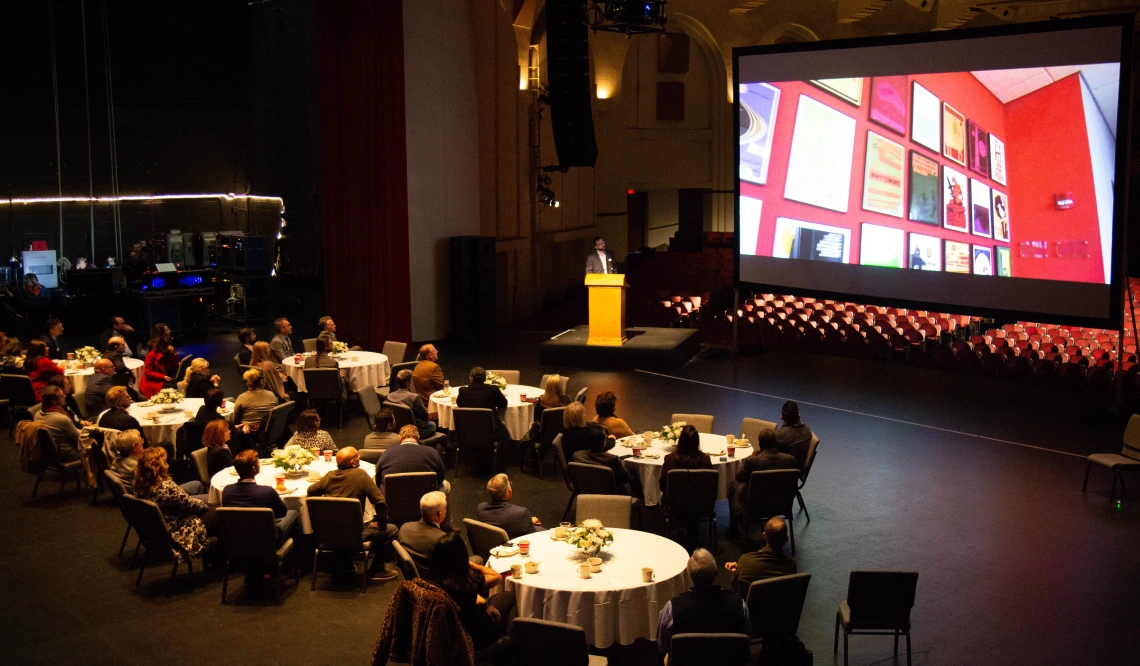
[55,97]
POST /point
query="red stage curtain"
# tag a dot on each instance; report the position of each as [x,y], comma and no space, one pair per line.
[364,180]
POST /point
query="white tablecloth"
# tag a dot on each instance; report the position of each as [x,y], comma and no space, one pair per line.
[295,497]
[518,416]
[168,423]
[79,377]
[613,605]
[369,370]
[649,469]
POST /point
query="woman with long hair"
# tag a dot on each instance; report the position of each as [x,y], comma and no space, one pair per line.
[577,433]
[467,584]
[552,396]
[161,364]
[186,515]
[215,438]
[40,368]
[309,434]
[688,455]
[275,383]
[198,380]
[261,353]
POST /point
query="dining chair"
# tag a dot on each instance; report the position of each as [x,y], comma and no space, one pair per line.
[1128,460]
[199,458]
[118,490]
[560,459]
[405,562]
[702,422]
[276,425]
[813,448]
[325,386]
[310,345]
[156,540]
[370,403]
[776,604]
[691,498]
[512,376]
[550,426]
[50,460]
[771,493]
[396,368]
[402,493]
[336,524]
[613,510]
[185,363]
[751,428]
[593,479]
[484,536]
[548,643]
[250,537]
[704,649]
[21,396]
[565,383]
[878,603]
[474,430]
[395,351]
[403,416]
[581,395]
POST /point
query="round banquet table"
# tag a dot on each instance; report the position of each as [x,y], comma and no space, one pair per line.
[168,423]
[518,417]
[613,605]
[369,370]
[649,469]
[79,377]
[296,488]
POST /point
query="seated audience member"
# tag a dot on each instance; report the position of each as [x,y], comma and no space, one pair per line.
[63,383]
[101,381]
[248,494]
[58,422]
[51,340]
[768,562]
[216,438]
[595,454]
[552,396]
[161,363]
[321,359]
[428,375]
[276,382]
[282,344]
[515,520]
[767,457]
[246,336]
[190,519]
[117,417]
[115,352]
[793,436]
[604,405]
[260,353]
[210,406]
[403,396]
[704,609]
[467,583]
[481,394]
[409,456]
[419,538]
[578,433]
[252,406]
[326,327]
[198,379]
[687,456]
[119,329]
[39,367]
[348,480]
[309,434]
[124,461]
[13,358]
[382,436]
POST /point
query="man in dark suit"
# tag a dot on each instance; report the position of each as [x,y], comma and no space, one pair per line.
[793,437]
[410,399]
[481,394]
[101,381]
[247,493]
[600,260]
[515,520]
[246,336]
[54,330]
[420,538]
[409,457]
[768,457]
[597,455]
[768,562]
[120,329]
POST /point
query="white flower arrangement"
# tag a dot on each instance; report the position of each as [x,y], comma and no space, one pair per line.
[167,397]
[339,348]
[590,536]
[498,381]
[671,433]
[87,355]
[292,457]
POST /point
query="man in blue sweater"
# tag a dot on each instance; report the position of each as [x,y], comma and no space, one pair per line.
[409,456]
[248,493]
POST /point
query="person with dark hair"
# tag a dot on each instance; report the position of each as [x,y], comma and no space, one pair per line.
[687,456]
[247,337]
[481,394]
[161,364]
[600,260]
[604,406]
[247,493]
[403,396]
[210,406]
[119,328]
[309,434]
[54,330]
[190,519]
[326,327]
[793,436]
[322,359]
[39,367]
[467,583]
[577,433]
[596,454]
[705,608]
[768,562]
[58,422]
[216,437]
[382,436]
[766,457]
[63,383]
[282,344]
[409,456]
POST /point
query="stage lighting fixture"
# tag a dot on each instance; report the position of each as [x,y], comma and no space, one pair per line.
[629,17]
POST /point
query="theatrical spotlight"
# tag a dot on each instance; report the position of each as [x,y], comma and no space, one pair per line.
[629,17]
[546,196]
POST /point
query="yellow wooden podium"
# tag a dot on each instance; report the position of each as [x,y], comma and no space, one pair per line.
[607,309]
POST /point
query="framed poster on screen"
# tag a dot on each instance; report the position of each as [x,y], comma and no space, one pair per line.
[796,239]
[848,90]
[957,257]
[749,224]
[888,102]
[983,260]
[883,176]
[925,118]
[1000,211]
[925,253]
[981,224]
[758,104]
[881,246]
[953,134]
[979,148]
[1001,261]
[955,200]
[924,189]
[823,147]
[997,159]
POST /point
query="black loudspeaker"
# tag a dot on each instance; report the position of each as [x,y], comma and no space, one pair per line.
[568,62]
[472,288]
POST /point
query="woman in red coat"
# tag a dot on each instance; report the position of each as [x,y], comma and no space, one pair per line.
[40,368]
[161,364]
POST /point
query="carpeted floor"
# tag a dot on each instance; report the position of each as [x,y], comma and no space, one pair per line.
[973,483]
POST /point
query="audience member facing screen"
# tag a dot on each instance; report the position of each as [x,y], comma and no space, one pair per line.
[309,434]
[793,437]
[604,406]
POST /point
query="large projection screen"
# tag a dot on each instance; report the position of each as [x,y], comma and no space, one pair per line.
[978,172]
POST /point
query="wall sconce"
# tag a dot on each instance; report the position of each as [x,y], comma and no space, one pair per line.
[1063,200]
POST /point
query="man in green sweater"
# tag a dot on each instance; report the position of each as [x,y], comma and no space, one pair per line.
[768,562]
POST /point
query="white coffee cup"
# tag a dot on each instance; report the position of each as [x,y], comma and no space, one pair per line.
[532,567]
[516,571]
[595,564]
[729,439]
[647,575]
[561,532]
[584,570]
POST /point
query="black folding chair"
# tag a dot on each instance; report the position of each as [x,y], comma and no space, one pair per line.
[402,493]
[704,649]
[692,498]
[771,493]
[548,643]
[20,395]
[593,479]
[560,458]
[776,604]
[878,603]
[325,387]
[550,426]
[474,431]
[155,538]
[118,490]
[276,426]
[337,524]
[49,460]
[250,537]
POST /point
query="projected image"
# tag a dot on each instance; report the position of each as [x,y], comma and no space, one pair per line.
[925,253]
[796,239]
[881,246]
[758,103]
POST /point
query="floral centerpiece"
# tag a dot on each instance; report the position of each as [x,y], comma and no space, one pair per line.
[167,397]
[498,381]
[339,348]
[292,458]
[87,355]
[671,433]
[590,536]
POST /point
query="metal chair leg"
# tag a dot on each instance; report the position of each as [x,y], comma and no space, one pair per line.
[225,578]
[364,572]
[896,643]
[173,572]
[908,647]
[313,580]
[1112,495]
[124,543]
[568,505]
[792,533]
[803,507]
[835,643]
[142,567]
[845,650]
[35,488]
[1087,470]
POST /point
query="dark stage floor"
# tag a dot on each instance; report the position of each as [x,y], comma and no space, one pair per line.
[973,483]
